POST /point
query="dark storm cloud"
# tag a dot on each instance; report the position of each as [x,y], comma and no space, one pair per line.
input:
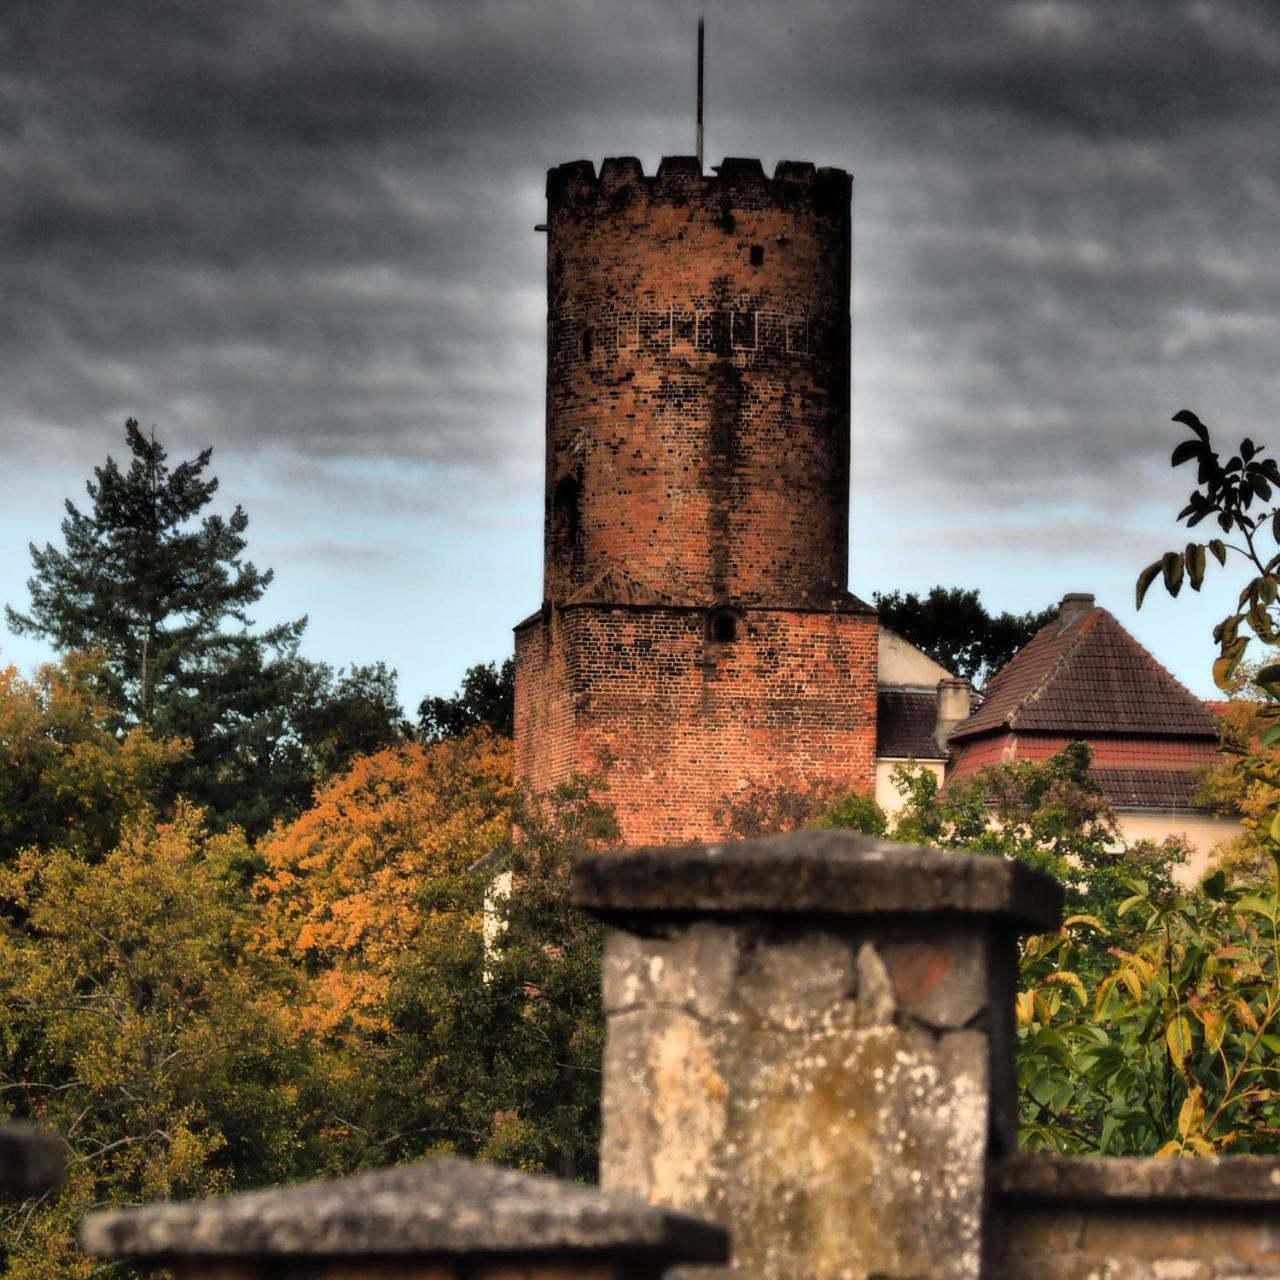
[310,226]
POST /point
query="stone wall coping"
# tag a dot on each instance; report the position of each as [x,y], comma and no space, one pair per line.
[439,1207]
[831,873]
[1068,1181]
[31,1160]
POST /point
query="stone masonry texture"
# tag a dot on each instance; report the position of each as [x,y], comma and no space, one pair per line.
[1136,1219]
[695,628]
[809,1041]
[435,1218]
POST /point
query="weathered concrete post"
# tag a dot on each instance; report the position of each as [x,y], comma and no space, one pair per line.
[811,1041]
[444,1219]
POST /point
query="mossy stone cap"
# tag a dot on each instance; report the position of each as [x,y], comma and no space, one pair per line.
[441,1207]
[831,873]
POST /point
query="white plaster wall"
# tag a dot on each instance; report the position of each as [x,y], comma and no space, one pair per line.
[888,797]
[902,665]
[1203,831]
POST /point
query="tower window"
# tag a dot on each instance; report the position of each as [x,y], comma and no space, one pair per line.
[757,255]
[564,515]
[588,342]
[722,626]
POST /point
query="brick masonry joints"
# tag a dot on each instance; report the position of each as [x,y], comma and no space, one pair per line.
[696,626]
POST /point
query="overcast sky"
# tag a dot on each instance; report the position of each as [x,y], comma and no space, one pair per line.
[302,233]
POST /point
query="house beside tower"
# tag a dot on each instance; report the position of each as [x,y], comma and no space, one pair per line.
[696,626]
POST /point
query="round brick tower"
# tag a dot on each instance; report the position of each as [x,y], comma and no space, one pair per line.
[695,629]
[698,380]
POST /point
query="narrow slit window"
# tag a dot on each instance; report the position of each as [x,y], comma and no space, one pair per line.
[757,255]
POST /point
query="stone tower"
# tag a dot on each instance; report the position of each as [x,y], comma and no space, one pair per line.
[695,626]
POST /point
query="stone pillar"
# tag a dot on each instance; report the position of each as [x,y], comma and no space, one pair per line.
[443,1219]
[810,1041]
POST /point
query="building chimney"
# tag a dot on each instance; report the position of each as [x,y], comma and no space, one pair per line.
[953,707]
[1075,604]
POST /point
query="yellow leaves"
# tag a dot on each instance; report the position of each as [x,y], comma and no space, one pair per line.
[1215,1028]
[1070,980]
[1191,1139]
[1177,1035]
[66,779]
[1025,1008]
[1191,1114]
[345,884]
[1245,1014]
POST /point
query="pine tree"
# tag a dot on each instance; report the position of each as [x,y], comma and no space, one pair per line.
[159,588]
[150,591]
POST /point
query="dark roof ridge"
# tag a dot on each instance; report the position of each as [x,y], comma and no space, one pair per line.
[1022,658]
[1084,624]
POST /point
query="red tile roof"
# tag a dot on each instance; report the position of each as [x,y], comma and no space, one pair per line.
[1147,788]
[1083,676]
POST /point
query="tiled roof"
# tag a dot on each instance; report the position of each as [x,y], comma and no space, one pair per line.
[1147,788]
[905,723]
[1088,675]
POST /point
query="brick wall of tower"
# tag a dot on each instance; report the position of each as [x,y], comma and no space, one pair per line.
[697,459]
[698,379]
[690,722]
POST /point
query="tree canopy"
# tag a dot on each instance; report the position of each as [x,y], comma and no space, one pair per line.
[68,780]
[159,589]
[953,627]
[486,698]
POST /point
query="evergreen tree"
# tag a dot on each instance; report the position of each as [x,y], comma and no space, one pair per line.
[148,589]
[161,591]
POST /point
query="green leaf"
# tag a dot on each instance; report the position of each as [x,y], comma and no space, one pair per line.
[1196,562]
[1255,904]
[1187,450]
[1171,566]
[1214,886]
[1219,548]
[1271,736]
[1268,674]
[1177,1035]
[1189,419]
[1145,579]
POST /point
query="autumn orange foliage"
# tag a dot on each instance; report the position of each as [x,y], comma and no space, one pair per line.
[348,887]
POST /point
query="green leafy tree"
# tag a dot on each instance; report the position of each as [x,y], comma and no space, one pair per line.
[1173,1047]
[1096,1071]
[68,780]
[486,698]
[953,627]
[140,1026]
[160,589]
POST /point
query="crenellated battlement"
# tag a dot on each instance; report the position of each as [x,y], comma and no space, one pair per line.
[680,180]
